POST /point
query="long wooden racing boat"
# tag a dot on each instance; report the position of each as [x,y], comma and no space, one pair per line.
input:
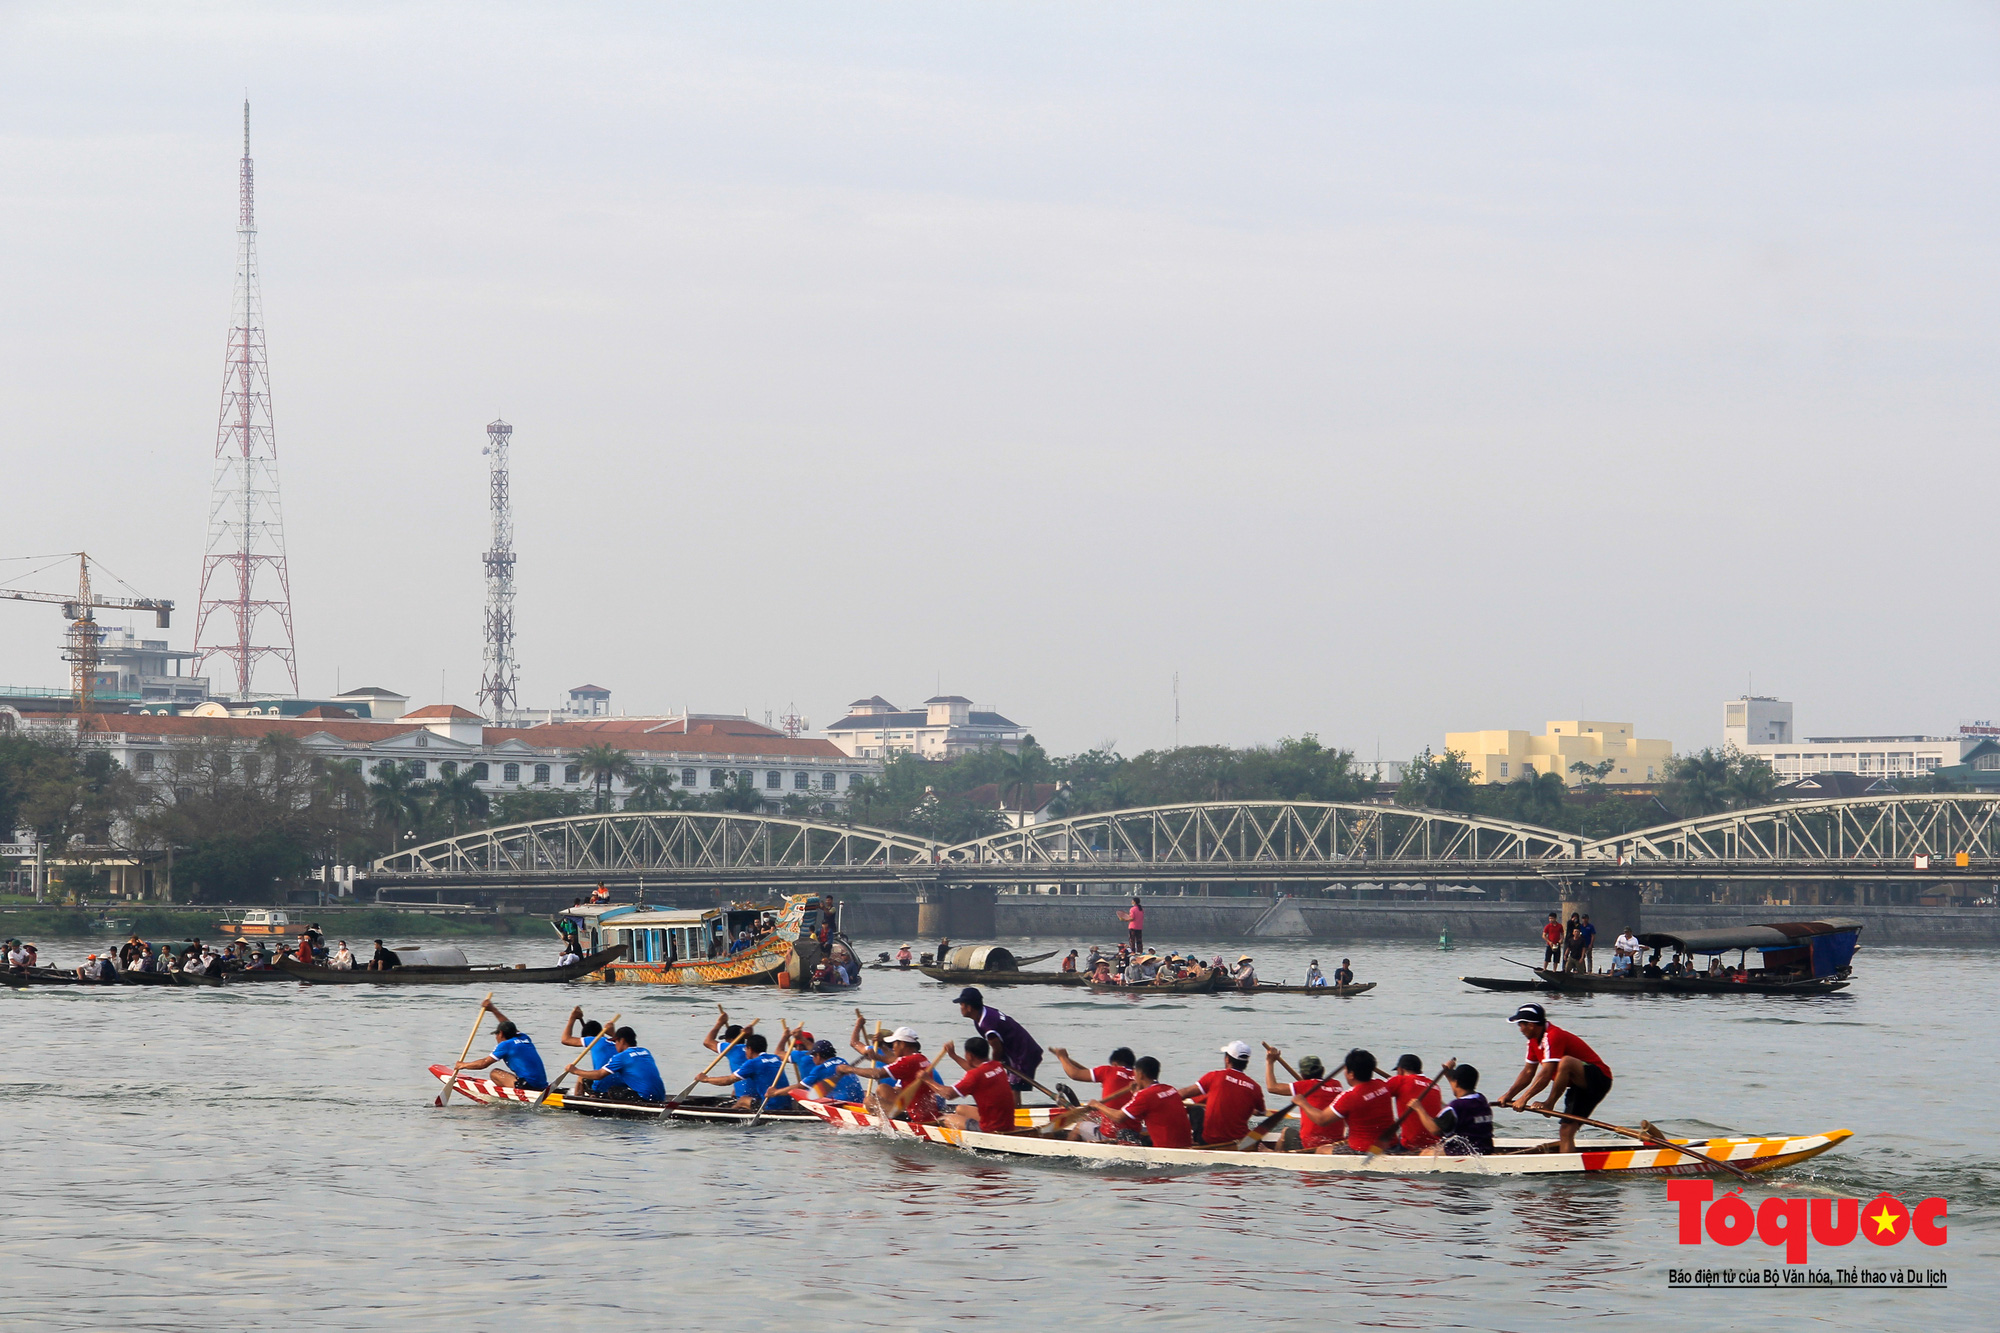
[20,978]
[1358,988]
[1514,1157]
[442,976]
[1578,982]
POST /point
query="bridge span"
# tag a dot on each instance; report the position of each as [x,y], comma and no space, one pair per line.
[1291,844]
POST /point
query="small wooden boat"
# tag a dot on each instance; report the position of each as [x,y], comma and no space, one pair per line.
[1800,958]
[1206,984]
[957,976]
[257,921]
[487,974]
[1358,988]
[1515,1157]
[24,977]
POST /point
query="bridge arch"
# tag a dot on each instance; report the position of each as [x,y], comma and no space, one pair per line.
[1280,833]
[1887,828]
[662,841]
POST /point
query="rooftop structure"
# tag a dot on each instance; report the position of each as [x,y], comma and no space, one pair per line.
[1761,727]
[947,726]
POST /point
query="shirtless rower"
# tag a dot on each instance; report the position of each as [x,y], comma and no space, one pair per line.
[521,1063]
[1563,1063]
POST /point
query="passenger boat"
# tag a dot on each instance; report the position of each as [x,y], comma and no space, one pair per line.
[1514,1157]
[256,922]
[1208,983]
[690,947]
[1799,958]
[425,974]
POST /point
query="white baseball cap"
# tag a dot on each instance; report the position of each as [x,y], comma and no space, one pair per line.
[910,1035]
[1237,1050]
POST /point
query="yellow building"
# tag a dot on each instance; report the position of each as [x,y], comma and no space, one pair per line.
[1502,756]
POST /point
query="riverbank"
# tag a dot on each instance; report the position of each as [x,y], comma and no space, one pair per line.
[179,923]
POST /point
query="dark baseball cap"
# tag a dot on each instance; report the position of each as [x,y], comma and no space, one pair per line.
[1529,1013]
[970,995]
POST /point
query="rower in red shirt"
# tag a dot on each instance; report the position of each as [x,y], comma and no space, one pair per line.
[1112,1078]
[1311,1088]
[1153,1107]
[1563,1063]
[1364,1113]
[989,1085]
[915,1097]
[1229,1097]
[1404,1086]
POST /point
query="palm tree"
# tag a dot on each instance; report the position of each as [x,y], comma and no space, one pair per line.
[653,789]
[603,764]
[1022,769]
[457,799]
[395,800]
[867,791]
[1750,782]
[1697,784]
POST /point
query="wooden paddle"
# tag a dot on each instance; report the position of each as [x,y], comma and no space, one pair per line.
[784,1049]
[713,1063]
[1635,1134]
[606,1032]
[470,1038]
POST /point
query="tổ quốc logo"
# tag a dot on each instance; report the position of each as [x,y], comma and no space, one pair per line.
[1797,1223]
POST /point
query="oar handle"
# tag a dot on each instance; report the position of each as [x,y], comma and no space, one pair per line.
[727,1047]
[556,1086]
[1391,1132]
[470,1037]
[1643,1138]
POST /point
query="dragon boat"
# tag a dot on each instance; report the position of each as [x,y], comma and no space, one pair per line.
[1513,1157]
[691,947]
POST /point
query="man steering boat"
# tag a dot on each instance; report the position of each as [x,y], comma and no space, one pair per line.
[1563,1063]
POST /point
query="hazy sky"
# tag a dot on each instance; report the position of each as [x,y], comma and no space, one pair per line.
[1382,369]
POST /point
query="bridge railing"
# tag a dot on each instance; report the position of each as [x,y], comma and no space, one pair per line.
[1886,828]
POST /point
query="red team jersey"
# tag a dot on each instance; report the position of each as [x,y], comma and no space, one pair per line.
[1232,1097]
[1369,1109]
[1403,1087]
[992,1091]
[1158,1111]
[1319,1094]
[1556,1043]
[923,1109]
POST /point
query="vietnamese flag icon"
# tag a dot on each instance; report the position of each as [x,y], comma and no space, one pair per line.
[1885,1221]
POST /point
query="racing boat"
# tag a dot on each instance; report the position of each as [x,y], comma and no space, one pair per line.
[1513,1157]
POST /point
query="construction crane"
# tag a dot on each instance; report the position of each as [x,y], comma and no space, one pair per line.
[83,631]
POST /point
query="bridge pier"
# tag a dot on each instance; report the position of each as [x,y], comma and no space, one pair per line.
[1612,907]
[959,911]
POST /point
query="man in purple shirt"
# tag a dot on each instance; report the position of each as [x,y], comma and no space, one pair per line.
[1011,1045]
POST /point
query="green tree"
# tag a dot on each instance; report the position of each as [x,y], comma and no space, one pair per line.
[603,764]
[654,788]
[455,801]
[525,805]
[395,800]
[1437,782]
[1750,782]
[1697,784]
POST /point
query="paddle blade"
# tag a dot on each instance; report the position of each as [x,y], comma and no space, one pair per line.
[438,1100]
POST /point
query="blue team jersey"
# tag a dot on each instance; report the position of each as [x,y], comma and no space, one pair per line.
[846,1087]
[756,1074]
[519,1054]
[600,1051]
[738,1056]
[635,1069]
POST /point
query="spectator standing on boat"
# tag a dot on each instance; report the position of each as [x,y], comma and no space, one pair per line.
[1465,1125]
[1228,1097]
[1343,975]
[631,1074]
[1625,951]
[989,1085]
[1011,1044]
[343,959]
[1552,939]
[1572,939]
[1134,918]
[1561,1062]
[1586,941]
[1404,1085]
[521,1063]
[1311,1088]
[1154,1109]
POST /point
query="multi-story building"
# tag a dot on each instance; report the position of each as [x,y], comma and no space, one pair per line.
[1762,727]
[946,727]
[1502,756]
[701,753]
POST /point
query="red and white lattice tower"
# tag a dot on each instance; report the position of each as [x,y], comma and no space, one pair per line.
[245,612]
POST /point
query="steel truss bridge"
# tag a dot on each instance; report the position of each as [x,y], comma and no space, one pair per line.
[1875,838]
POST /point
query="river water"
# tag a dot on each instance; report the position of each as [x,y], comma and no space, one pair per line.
[270,1156]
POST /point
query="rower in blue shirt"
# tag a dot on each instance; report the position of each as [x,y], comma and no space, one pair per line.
[629,1075]
[516,1052]
[597,1043]
[751,1081]
[830,1078]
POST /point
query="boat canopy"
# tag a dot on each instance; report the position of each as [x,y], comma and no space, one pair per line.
[1812,948]
[644,917]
